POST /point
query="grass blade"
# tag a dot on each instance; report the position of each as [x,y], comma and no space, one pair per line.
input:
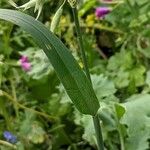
[70,74]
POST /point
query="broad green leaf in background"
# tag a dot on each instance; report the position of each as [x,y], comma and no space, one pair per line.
[125,70]
[37,134]
[137,119]
[148,78]
[55,107]
[136,74]
[31,129]
[103,87]
[87,124]
[41,77]
[74,80]
[40,65]
[123,59]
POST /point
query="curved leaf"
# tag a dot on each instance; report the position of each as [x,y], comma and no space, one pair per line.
[137,119]
[73,78]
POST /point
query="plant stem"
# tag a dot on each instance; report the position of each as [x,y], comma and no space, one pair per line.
[98,132]
[121,137]
[80,40]
[122,146]
[81,46]
[120,130]
[15,99]
[106,28]
[7,144]
[9,97]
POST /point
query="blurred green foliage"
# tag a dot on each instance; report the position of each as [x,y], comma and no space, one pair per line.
[118,51]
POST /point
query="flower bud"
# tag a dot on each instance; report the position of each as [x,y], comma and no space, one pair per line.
[101,12]
[25,64]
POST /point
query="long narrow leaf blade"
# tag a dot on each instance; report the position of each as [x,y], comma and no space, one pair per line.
[70,74]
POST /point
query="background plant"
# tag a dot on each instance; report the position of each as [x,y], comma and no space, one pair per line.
[118,54]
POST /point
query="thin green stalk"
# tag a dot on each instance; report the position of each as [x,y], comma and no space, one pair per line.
[120,130]
[9,97]
[80,40]
[6,38]
[122,146]
[96,121]
[106,28]
[121,137]
[15,99]
[7,144]
[98,131]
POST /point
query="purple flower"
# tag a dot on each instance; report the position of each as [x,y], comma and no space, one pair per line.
[101,12]
[10,137]
[24,59]
[25,64]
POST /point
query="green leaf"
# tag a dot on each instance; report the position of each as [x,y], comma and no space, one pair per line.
[40,64]
[31,129]
[123,59]
[119,111]
[41,78]
[148,78]
[55,107]
[137,74]
[87,124]
[124,71]
[74,80]
[122,78]
[103,87]
[137,119]
[37,134]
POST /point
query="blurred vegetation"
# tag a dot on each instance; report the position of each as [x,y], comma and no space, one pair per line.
[34,105]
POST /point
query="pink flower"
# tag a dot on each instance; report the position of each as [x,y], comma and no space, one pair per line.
[25,64]
[101,12]
[24,59]
[106,1]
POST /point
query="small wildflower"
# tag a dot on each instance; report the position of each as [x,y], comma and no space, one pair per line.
[25,64]
[101,12]
[24,59]
[10,137]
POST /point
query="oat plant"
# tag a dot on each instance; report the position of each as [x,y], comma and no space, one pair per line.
[77,82]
